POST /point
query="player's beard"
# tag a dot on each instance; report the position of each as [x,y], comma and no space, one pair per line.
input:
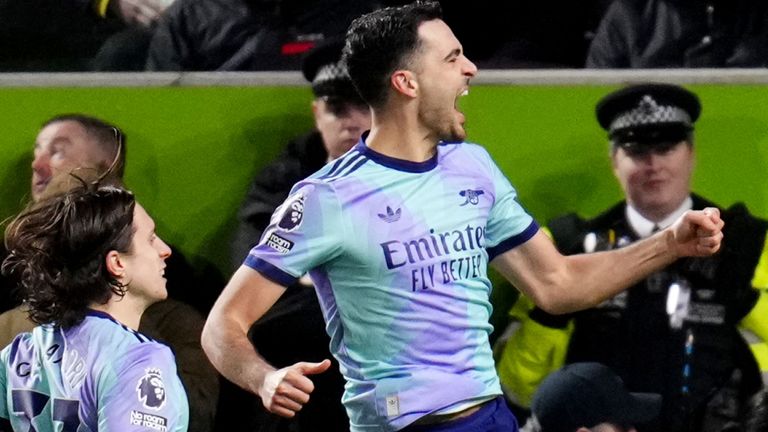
[458,133]
[453,129]
[446,123]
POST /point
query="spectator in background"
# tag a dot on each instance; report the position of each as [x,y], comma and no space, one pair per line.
[341,117]
[76,35]
[589,397]
[71,142]
[64,144]
[142,13]
[243,35]
[89,264]
[126,50]
[675,333]
[681,33]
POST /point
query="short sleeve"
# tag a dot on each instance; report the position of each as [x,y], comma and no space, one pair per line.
[509,224]
[306,231]
[143,393]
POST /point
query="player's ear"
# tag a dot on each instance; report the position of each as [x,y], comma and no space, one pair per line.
[115,263]
[404,81]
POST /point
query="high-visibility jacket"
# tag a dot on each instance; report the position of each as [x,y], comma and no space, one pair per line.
[701,363]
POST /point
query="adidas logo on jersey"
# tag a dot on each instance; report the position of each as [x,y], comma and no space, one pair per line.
[391,216]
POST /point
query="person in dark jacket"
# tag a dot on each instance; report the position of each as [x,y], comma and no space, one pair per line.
[340,119]
[246,35]
[589,397]
[681,33]
[76,35]
[675,333]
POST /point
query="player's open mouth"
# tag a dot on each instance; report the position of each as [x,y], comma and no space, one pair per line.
[465,92]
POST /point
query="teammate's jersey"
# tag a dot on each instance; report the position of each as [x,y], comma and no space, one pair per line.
[96,376]
[398,253]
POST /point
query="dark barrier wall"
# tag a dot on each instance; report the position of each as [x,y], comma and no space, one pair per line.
[193,150]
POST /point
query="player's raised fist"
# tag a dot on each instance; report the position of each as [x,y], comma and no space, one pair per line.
[697,233]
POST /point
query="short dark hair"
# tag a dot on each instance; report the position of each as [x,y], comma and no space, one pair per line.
[382,41]
[108,136]
[57,250]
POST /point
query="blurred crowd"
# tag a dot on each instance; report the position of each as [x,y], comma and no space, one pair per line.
[263,35]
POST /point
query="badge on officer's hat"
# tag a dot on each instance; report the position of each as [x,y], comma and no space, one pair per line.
[648,114]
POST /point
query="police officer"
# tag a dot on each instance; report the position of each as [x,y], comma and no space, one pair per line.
[340,117]
[675,333]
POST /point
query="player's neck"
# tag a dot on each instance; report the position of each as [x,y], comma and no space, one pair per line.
[400,136]
[126,310]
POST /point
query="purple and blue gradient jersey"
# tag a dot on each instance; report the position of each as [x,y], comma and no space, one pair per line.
[96,376]
[398,252]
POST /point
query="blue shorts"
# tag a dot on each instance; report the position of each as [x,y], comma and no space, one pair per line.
[493,416]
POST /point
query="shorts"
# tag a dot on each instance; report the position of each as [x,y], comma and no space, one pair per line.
[493,416]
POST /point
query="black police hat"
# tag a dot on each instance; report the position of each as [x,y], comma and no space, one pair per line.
[587,394]
[328,75]
[648,114]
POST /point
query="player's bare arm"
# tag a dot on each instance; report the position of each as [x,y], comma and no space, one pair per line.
[562,284]
[247,296]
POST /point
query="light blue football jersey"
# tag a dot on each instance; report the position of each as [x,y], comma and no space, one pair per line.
[96,376]
[398,252]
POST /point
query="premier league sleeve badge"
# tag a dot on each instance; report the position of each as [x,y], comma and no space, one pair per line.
[151,390]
